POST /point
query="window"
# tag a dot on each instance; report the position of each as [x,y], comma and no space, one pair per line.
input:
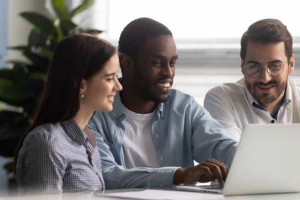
[200,19]
[207,33]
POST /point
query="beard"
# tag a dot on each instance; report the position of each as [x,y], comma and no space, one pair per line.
[268,97]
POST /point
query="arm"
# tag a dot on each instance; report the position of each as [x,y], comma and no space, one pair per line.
[115,175]
[210,138]
[211,147]
[217,103]
[43,165]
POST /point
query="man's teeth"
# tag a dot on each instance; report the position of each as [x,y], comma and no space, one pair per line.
[266,87]
[165,85]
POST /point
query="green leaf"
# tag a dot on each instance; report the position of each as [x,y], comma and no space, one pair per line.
[44,24]
[60,34]
[37,76]
[47,53]
[92,31]
[61,9]
[19,48]
[12,93]
[37,59]
[67,26]
[6,74]
[19,62]
[37,38]
[19,75]
[85,5]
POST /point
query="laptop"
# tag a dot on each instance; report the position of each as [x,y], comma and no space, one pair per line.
[267,161]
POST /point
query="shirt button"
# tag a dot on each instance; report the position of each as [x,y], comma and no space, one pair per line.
[161,158]
[273,121]
[157,136]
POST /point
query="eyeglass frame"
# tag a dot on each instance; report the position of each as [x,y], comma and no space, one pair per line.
[267,68]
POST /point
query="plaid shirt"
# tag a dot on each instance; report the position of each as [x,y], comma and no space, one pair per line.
[58,157]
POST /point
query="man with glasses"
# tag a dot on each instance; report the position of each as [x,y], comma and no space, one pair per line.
[265,94]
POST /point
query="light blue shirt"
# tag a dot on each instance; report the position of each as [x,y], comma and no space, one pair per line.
[182,131]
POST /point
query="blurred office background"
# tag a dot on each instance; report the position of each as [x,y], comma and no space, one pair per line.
[207,35]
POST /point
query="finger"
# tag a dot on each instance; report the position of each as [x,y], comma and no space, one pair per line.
[223,167]
[216,171]
[207,173]
[216,162]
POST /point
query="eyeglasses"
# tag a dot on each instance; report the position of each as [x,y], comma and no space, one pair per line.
[273,68]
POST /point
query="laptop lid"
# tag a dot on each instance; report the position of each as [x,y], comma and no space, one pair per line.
[267,161]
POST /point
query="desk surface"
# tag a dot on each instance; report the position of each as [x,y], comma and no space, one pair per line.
[149,194]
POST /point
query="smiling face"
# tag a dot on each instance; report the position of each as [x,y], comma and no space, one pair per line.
[154,68]
[100,89]
[264,87]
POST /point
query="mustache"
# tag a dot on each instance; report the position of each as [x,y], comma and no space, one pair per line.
[266,84]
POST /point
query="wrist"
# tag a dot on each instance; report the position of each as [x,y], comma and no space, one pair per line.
[178,176]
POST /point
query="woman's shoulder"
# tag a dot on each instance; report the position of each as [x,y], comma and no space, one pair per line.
[45,134]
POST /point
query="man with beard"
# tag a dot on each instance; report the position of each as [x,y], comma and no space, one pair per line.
[154,133]
[265,94]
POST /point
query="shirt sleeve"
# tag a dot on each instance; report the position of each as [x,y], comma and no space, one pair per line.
[216,102]
[117,176]
[210,138]
[44,165]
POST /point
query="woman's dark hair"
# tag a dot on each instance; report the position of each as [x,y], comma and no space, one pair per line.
[267,31]
[77,57]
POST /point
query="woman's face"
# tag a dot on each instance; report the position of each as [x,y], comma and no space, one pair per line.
[102,87]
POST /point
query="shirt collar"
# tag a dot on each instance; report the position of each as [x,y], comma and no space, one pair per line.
[118,110]
[77,134]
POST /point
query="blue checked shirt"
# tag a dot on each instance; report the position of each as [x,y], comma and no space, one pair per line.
[182,131]
[58,158]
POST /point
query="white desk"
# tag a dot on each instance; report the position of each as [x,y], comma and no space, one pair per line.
[149,194]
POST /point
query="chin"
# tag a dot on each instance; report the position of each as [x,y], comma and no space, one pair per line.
[266,98]
[161,99]
[106,108]
[109,109]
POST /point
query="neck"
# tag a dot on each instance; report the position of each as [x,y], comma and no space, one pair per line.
[135,103]
[83,116]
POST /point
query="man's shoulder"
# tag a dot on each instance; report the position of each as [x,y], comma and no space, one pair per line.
[179,97]
[294,85]
[228,89]
[100,117]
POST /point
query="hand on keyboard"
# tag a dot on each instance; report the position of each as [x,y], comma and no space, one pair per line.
[209,170]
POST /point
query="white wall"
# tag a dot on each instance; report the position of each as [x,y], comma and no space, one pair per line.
[3,31]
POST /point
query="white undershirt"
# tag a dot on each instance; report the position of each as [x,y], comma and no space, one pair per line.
[138,146]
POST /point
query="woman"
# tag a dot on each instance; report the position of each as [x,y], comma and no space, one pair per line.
[59,152]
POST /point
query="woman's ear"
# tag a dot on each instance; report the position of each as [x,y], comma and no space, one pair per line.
[83,87]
